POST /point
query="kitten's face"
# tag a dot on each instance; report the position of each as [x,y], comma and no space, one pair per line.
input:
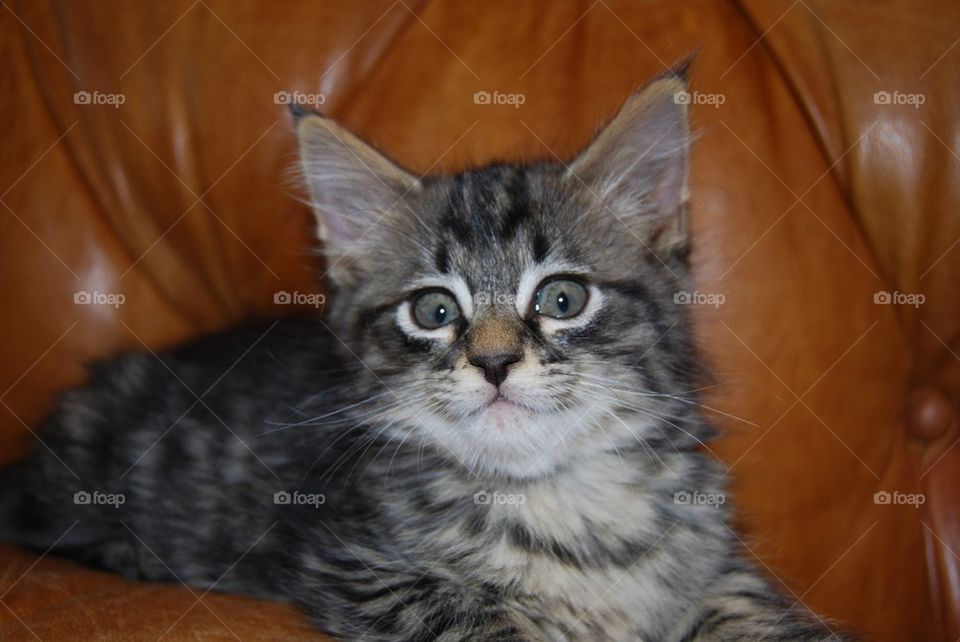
[521,316]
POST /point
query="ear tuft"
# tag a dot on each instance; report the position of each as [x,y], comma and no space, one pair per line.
[352,185]
[637,164]
[681,68]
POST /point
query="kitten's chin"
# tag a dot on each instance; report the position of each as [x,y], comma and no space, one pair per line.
[503,415]
[510,440]
[502,436]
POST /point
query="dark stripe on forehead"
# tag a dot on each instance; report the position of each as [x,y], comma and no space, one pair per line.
[482,191]
[540,246]
[517,206]
[441,259]
[454,219]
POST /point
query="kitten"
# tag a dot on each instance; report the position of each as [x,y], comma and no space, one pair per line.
[491,434]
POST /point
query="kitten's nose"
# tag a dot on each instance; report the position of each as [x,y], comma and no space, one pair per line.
[495,366]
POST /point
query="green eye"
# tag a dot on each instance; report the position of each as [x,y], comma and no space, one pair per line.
[560,298]
[435,309]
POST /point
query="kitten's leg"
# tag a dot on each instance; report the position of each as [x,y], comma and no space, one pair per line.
[742,606]
[392,605]
[444,623]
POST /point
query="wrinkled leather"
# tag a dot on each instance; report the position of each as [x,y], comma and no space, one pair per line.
[808,199]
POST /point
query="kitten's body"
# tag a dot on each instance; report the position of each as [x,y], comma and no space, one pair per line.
[600,551]
[447,512]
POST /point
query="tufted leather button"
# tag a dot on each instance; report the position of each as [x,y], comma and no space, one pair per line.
[929,413]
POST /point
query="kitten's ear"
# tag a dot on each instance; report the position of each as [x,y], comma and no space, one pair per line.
[352,186]
[637,164]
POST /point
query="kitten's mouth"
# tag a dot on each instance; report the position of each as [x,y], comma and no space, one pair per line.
[501,401]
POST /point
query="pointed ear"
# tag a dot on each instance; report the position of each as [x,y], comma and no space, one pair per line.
[637,165]
[352,187]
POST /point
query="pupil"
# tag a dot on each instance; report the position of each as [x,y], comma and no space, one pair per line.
[440,314]
[562,302]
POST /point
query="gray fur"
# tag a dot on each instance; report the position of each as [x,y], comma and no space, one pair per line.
[556,516]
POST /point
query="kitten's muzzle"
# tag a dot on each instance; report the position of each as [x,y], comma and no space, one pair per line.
[493,345]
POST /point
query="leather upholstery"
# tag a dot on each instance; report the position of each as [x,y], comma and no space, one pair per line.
[809,198]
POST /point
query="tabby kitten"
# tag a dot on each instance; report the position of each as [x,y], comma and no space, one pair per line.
[491,434]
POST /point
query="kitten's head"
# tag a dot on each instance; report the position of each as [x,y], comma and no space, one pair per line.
[520,315]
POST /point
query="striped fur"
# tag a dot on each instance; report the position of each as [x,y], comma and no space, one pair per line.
[555,513]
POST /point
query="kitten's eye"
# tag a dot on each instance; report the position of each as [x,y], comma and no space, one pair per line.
[560,298]
[435,309]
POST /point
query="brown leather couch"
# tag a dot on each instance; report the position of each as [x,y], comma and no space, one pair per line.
[813,196]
